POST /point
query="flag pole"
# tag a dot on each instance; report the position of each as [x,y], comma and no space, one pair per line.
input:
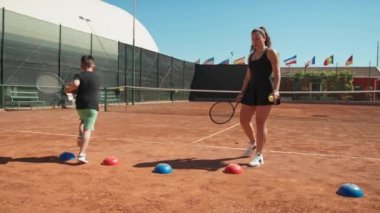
[377,58]
[305,66]
[369,69]
[369,74]
[230,58]
[336,76]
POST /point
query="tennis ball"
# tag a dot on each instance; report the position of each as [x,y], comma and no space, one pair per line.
[270,98]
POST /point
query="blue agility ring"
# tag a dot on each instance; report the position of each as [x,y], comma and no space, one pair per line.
[350,190]
[66,156]
[163,168]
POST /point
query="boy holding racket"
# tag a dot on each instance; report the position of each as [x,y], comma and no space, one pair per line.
[86,84]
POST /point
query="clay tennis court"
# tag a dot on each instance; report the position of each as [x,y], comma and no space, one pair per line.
[311,150]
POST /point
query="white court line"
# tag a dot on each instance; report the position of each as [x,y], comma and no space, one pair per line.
[43,133]
[70,135]
[323,155]
[294,153]
[213,147]
[216,133]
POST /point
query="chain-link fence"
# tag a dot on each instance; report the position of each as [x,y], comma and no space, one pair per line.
[30,47]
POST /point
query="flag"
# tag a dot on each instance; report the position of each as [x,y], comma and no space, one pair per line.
[329,60]
[227,61]
[291,60]
[198,61]
[310,62]
[240,60]
[350,60]
[209,61]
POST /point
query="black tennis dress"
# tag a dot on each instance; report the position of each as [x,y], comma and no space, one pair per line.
[260,86]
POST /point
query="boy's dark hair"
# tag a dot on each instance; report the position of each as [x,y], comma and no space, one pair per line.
[87,60]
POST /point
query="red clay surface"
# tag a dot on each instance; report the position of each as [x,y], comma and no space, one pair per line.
[311,150]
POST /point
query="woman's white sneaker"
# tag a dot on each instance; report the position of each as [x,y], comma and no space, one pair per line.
[258,160]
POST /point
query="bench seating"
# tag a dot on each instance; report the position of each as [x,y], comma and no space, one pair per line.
[25,98]
[112,97]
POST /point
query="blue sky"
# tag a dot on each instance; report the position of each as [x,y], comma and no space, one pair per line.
[200,29]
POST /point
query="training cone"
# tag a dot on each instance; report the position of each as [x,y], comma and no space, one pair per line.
[111,161]
[233,168]
[350,190]
[66,156]
[163,168]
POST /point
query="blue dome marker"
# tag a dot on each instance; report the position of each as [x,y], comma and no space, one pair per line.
[350,190]
[163,168]
[66,156]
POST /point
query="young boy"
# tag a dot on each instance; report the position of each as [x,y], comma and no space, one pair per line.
[86,84]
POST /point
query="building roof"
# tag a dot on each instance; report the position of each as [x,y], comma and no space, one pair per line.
[106,20]
[358,72]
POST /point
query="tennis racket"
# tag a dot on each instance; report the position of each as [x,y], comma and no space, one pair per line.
[49,83]
[221,112]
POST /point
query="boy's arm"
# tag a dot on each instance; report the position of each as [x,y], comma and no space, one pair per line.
[72,86]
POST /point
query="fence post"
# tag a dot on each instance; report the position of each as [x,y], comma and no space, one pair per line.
[126,72]
[2,60]
[118,64]
[59,50]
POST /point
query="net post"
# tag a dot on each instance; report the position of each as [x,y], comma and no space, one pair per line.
[171,80]
[105,100]
[2,105]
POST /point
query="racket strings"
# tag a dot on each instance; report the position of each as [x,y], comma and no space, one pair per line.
[49,83]
[221,112]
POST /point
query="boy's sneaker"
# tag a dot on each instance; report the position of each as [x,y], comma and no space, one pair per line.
[249,151]
[258,160]
[82,158]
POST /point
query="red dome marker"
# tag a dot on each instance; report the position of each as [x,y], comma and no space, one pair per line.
[233,168]
[111,161]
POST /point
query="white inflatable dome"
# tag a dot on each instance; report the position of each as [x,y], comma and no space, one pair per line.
[105,19]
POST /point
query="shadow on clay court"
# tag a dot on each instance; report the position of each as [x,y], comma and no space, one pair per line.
[45,159]
[191,163]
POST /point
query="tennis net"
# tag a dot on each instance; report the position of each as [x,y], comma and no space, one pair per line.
[349,97]
[117,98]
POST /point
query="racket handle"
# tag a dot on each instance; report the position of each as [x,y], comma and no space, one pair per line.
[70,96]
